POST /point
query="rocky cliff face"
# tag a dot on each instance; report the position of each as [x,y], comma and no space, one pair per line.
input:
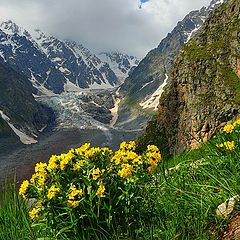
[143,84]
[204,85]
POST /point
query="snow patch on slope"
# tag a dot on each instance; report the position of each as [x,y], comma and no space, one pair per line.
[70,87]
[190,34]
[95,86]
[153,100]
[114,110]
[24,138]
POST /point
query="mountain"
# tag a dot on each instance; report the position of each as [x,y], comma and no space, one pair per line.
[145,83]
[55,66]
[121,64]
[21,116]
[21,52]
[203,90]
[76,63]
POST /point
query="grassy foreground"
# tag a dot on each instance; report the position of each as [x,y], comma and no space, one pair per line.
[179,202]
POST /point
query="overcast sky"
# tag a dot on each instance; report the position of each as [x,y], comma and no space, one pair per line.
[102,24]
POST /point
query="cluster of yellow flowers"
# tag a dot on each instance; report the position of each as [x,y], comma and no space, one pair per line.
[23,188]
[130,160]
[153,157]
[228,128]
[52,192]
[126,170]
[73,195]
[228,145]
[101,191]
[34,214]
[62,179]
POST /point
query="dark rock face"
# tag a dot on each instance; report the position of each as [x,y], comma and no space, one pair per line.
[17,102]
[151,71]
[204,86]
[98,105]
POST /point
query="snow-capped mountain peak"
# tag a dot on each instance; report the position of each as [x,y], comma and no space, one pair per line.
[11,28]
[121,64]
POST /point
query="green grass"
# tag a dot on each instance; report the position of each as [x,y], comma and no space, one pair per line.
[180,203]
[14,223]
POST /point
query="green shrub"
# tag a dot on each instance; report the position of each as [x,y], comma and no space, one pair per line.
[92,192]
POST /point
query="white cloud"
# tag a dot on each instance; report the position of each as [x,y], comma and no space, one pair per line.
[106,24]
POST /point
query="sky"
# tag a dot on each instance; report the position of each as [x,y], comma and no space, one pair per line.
[102,25]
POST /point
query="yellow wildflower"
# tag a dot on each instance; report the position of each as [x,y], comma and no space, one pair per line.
[131,155]
[220,145]
[96,174]
[152,148]
[126,171]
[52,192]
[123,146]
[65,160]
[237,122]
[41,180]
[92,152]
[41,168]
[153,164]
[228,128]
[23,188]
[34,214]
[229,145]
[117,158]
[82,149]
[72,203]
[77,166]
[53,163]
[128,146]
[74,192]
[137,160]
[156,156]
[33,178]
[100,191]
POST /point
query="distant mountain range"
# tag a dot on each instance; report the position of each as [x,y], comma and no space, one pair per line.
[54,66]
[145,83]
